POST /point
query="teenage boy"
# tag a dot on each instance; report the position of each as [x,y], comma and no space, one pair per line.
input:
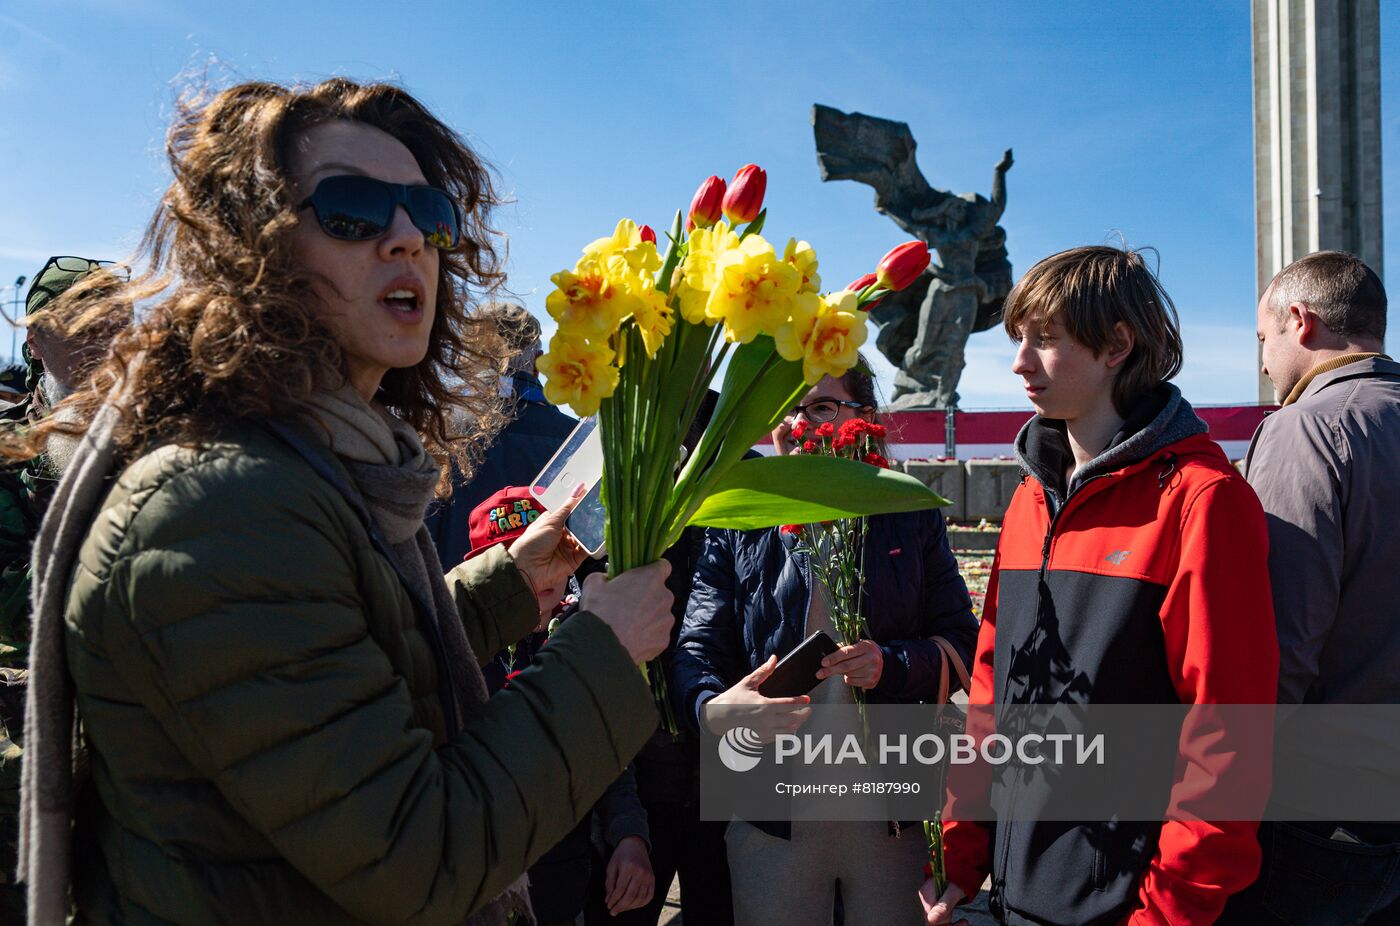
[1132,569]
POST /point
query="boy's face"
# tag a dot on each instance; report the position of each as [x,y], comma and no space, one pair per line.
[1063,378]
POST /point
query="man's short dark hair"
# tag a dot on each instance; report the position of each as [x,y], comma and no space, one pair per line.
[1344,292]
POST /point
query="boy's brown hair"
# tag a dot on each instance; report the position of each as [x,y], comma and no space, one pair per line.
[1091,289]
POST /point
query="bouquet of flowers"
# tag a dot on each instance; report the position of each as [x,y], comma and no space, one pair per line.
[642,337]
[836,548]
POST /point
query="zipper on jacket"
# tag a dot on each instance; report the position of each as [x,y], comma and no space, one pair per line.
[1168,461]
[1057,512]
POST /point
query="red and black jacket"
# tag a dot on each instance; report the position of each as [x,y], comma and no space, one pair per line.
[1144,582]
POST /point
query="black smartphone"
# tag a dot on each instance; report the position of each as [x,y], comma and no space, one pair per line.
[796,673]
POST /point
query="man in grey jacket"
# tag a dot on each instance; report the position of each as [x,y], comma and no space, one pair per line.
[1327,468]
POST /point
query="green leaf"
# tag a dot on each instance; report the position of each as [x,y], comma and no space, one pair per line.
[759,389]
[803,489]
[756,225]
[763,405]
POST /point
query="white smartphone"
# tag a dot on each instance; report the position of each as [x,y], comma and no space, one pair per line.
[580,459]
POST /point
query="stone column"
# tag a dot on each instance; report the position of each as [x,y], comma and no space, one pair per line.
[1317,133]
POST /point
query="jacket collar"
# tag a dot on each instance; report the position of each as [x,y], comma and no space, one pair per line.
[1160,418]
[527,388]
[1341,368]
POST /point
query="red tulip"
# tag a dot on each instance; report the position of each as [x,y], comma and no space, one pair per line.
[744,201]
[903,265]
[648,233]
[705,208]
[861,284]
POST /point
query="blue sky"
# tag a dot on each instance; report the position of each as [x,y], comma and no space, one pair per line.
[1127,118]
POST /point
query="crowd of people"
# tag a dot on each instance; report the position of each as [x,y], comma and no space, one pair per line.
[284,637]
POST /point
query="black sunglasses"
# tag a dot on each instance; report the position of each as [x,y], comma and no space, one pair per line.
[824,410]
[352,207]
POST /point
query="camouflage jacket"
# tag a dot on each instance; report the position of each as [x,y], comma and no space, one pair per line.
[25,490]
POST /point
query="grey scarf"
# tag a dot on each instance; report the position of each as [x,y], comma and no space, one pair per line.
[396,477]
[46,775]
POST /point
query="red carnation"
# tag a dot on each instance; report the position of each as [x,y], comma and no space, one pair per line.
[874,459]
[854,428]
[842,442]
[826,429]
[512,675]
[799,429]
[808,447]
[876,430]
[791,529]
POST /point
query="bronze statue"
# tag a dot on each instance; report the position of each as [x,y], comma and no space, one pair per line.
[924,328]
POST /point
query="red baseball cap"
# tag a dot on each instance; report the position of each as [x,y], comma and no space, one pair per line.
[502,517]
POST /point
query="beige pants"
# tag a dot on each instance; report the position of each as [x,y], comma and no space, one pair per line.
[792,882]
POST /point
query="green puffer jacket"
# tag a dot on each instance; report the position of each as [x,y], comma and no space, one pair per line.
[262,720]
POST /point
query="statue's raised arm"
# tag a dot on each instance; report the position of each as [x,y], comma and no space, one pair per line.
[999,182]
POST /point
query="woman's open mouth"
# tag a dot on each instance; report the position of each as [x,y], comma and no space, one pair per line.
[404,304]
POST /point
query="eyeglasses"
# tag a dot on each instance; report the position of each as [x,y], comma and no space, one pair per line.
[824,410]
[59,273]
[356,208]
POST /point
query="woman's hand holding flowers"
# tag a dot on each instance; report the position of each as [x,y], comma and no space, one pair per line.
[861,665]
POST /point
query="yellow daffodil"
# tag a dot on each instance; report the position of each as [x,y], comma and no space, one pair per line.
[791,338]
[578,374]
[825,334]
[590,300]
[804,260]
[754,290]
[697,277]
[626,242]
[653,316]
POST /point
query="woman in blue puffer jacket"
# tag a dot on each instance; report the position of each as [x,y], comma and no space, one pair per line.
[753,602]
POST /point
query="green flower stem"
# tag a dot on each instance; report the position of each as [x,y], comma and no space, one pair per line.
[633,435]
[665,481]
[717,431]
[654,442]
[719,449]
[674,255]
[635,418]
[933,838]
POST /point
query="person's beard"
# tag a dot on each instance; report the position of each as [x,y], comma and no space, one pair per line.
[59,448]
[55,389]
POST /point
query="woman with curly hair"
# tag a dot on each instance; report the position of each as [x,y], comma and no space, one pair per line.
[281,709]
